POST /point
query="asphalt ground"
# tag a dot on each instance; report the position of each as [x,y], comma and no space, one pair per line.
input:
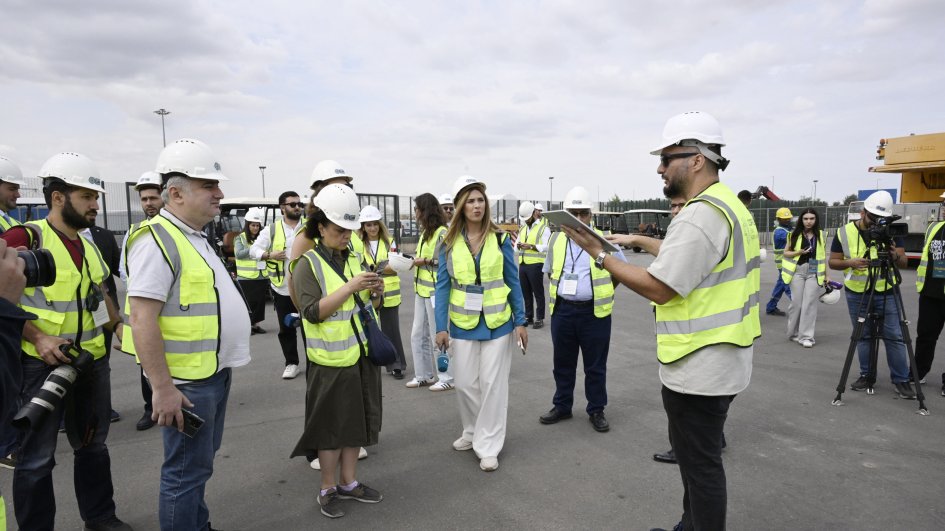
[793,461]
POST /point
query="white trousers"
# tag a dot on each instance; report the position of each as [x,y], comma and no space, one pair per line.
[802,313]
[482,390]
[421,341]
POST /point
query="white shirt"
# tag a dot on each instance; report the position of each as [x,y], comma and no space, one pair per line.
[262,244]
[576,261]
[696,241]
[542,244]
[152,278]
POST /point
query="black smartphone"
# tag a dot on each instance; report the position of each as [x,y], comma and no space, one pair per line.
[192,423]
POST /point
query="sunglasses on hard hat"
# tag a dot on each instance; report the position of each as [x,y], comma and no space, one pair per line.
[666,159]
[296,204]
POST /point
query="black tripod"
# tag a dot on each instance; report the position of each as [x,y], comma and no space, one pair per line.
[880,269]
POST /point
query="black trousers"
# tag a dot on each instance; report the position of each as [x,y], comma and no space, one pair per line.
[287,336]
[931,322]
[389,319]
[255,292]
[532,286]
[696,423]
[574,329]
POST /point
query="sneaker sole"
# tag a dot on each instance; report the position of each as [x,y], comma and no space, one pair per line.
[441,389]
[355,498]
[463,448]
[321,509]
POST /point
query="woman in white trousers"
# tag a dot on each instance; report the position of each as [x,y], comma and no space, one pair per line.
[804,268]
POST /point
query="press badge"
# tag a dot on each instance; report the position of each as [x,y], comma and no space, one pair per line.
[568,284]
[938,268]
[95,303]
[474,298]
[260,265]
[811,264]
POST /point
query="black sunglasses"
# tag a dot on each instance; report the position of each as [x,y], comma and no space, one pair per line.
[666,159]
[297,204]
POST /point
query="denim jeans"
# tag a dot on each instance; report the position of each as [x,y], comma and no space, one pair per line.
[188,463]
[780,288]
[34,500]
[892,334]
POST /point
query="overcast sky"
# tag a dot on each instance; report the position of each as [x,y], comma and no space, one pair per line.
[410,95]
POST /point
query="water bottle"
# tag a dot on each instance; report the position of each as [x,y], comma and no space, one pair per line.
[442,361]
[292,320]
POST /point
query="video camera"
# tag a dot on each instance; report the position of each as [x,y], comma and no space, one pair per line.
[54,389]
[884,229]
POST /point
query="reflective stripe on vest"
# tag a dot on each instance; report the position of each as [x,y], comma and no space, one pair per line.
[462,271]
[601,280]
[246,268]
[854,247]
[60,308]
[190,318]
[924,262]
[391,282]
[532,235]
[276,268]
[723,308]
[779,253]
[424,279]
[7,225]
[789,265]
[337,341]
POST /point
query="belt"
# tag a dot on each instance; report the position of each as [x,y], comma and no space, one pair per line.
[559,300]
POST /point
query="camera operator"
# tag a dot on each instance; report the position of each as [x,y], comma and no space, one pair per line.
[857,244]
[74,309]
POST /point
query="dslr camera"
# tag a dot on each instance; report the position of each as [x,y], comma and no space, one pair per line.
[54,389]
[884,229]
[40,268]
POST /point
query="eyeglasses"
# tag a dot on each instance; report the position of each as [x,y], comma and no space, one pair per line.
[666,159]
[297,204]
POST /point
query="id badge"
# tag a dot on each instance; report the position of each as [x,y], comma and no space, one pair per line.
[938,268]
[568,284]
[474,298]
[812,264]
[260,265]
[100,315]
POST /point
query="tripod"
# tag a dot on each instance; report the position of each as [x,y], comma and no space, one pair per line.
[885,269]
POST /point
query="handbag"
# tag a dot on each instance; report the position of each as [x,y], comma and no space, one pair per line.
[380,349]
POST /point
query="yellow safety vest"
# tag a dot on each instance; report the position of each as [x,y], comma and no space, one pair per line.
[7,225]
[854,247]
[531,235]
[462,270]
[391,282]
[601,282]
[339,340]
[425,277]
[723,308]
[924,263]
[275,269]
[779,253]
[356,244]
[789,265]
[190,318]
[246,268]
[61,307]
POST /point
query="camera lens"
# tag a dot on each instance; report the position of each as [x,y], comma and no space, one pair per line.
[40,268]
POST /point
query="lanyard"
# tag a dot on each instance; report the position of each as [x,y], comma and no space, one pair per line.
[570,251]
[475,261]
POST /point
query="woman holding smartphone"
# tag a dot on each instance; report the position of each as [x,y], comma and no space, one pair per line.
[804,268]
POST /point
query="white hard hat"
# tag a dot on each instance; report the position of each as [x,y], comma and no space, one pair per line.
[763,255]
[370,213]
[340,205]
[192,158]
[10,172]
[943,195]
[525,210]
[255,215]
[399,262]
[328,169]
[577,198]
[149,179]
[73,168]
[464,182]
[539,206]
[445,199]
[879,204]
[830,296]
[695,129]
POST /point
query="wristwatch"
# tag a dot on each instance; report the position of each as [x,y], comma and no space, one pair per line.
[599,262]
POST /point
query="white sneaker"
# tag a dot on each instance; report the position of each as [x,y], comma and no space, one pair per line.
[441,386]
[461,445]
[807,343]
[362,454]
[488,464]
[316,465]
[291,371]
[417,382]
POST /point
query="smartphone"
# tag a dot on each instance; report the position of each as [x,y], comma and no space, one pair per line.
[192,423]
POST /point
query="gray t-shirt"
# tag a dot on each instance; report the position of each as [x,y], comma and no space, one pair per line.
[696,241]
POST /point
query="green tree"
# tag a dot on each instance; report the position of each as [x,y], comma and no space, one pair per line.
[849,199]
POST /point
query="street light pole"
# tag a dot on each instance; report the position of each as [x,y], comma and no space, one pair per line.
[262,170]
[814,198]
[163,113]
[551,190]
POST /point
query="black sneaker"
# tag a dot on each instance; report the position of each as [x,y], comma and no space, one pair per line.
[361,493]
[330,504]
[860,384]
[904,390]
[539,323]
[778,312]
[8,461]
[145,422]
[111,523]
[943,389]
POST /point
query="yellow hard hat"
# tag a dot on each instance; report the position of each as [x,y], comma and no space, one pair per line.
[784,213]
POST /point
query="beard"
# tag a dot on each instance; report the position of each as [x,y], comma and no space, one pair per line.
[293,215]
[72,217]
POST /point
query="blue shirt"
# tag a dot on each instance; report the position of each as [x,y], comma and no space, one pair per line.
[780,236]
[481,332]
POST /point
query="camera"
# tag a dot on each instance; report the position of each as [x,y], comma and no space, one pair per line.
[884,229]
[54,389]
[40,268]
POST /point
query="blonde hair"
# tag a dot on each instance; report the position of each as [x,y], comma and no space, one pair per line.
[382,233]
[458,224]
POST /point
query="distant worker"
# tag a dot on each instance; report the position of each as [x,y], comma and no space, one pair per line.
[446,203]
[705,283]
[930,283]
[581,300]
[852,253]
[252,274]
[273,246]
[11,179]
[745,197]
[532,244]
[780,237]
